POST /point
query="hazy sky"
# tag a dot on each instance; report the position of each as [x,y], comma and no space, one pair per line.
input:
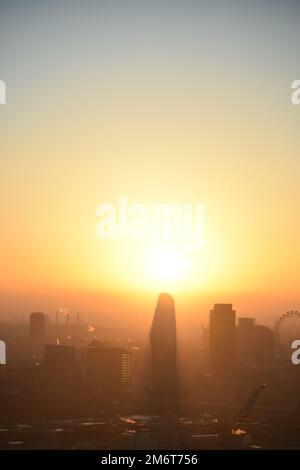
[162,102]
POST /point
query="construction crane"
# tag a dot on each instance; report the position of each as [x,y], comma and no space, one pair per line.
[246,408]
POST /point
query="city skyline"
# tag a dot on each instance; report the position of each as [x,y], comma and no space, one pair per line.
[225,331]
[150,390]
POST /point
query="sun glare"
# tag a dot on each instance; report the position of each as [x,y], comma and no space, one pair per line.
[167,265]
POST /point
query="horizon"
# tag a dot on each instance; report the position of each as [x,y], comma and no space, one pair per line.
[198,132]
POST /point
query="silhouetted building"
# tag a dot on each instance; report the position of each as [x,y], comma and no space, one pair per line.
[245,343]
[163,349]
[264,348]
[63,368]
[222,340]
[37,334]
[109,370]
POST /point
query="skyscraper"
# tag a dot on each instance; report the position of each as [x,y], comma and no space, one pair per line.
[163,348]
[222,340]
[109,370]
[264,348]
[37,334]
[245,342]
[63,368]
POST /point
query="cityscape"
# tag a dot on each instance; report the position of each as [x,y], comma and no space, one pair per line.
[150,256]
[62,387]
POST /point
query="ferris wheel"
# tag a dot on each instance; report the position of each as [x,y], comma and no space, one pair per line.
[286,329]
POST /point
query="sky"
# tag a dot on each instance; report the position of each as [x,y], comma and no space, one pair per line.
[188,102]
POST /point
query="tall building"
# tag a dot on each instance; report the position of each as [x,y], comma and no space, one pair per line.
[255,346]
[222,340]
[264,348]
[37,334]
[63,368]
[245,343]
[163,348]
[109,370]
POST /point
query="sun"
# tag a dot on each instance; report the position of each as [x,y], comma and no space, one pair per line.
[167,264]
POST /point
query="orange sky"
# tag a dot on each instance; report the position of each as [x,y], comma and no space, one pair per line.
[196,113]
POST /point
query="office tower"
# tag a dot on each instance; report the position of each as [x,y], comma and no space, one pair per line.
[37,334]
[264,348]
[63,369]
[109,370]
[163,349]
[245,342]
[222,340]
[127,358]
